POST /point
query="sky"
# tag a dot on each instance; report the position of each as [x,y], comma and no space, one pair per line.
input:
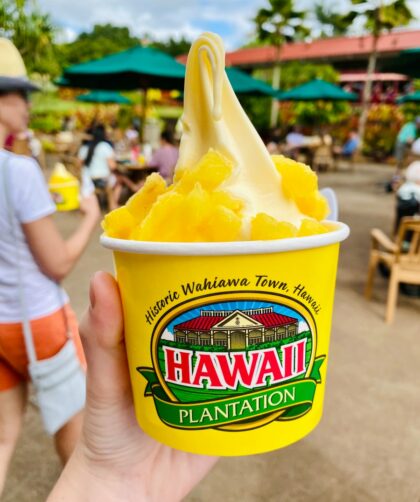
[231,19]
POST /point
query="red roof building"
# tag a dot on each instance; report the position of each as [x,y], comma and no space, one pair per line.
[339,51]
[236,329]
[348,55]
[205,323]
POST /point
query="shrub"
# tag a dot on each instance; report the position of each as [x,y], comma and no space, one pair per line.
[383,123]
[45,123]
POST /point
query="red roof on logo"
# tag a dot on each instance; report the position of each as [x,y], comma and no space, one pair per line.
[201,323]
[205,323]
[323,48]
[272,320]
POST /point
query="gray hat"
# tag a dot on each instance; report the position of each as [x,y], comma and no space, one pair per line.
[12,69]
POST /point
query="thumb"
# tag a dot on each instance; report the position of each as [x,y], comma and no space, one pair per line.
[102,333]
[110,430]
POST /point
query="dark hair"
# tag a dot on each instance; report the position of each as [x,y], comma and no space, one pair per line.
[99,136]
[167,136]
[21,92]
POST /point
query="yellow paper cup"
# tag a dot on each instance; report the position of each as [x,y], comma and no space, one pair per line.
[227,343]
[65,195]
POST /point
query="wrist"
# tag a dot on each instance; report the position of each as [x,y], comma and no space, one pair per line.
[91,219]
[87,481]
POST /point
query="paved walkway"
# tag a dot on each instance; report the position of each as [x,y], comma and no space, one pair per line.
[366,447]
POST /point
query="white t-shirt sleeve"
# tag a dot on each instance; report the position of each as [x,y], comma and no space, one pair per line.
[83,151]
[415,148]
[29,193]
[106,150]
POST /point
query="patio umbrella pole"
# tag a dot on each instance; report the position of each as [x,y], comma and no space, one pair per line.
[143,114]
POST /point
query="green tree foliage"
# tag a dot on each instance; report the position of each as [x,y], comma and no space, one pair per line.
[383,124]
[33,34]
[280,23]
[378,17]
[332,23]
[104,39]
[303,113]
[276,25]
[313,114]
[173,47]
[296,73]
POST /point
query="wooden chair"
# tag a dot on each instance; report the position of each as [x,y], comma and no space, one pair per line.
[401,257]
[323,158]
[344,162]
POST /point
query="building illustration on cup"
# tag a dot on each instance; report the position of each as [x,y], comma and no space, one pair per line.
[233,365]
[236,329]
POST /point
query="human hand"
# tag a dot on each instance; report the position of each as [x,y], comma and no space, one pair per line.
[115,460]
[89,207]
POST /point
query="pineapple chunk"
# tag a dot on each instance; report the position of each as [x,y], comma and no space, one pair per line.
[211,171]
[140,203]
[225,199]
[314,205]
[208,217]
[298,180]
[311,227]
[265,227]
[223,225]
[164,222]
[119,223]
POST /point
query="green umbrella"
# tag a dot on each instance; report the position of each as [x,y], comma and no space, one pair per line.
[142,68]
[104,97]
[242,83]
[317,89]
[135,68]
[414,97]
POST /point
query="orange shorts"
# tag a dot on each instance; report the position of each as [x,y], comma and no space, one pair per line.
[49,334]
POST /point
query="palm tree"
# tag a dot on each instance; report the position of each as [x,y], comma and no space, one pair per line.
[332,23]
[32,32]
[276,25]
[379,17]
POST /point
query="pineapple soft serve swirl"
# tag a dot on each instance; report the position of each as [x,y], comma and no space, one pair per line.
[226,186]
[213,118]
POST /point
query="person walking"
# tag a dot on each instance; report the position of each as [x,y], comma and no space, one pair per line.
[98,160]
[34,258]
[406,137]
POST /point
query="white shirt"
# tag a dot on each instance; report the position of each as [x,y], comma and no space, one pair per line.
[408,189]
[98,167]
[415,147]
[30,201]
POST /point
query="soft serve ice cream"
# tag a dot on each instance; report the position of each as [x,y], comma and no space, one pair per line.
[226,341]
[226,185]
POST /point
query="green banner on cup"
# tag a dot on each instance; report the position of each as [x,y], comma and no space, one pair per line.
[294,399]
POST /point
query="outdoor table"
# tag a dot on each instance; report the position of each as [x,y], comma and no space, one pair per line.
[135,172]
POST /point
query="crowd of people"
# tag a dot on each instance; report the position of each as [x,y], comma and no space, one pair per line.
[317,149]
